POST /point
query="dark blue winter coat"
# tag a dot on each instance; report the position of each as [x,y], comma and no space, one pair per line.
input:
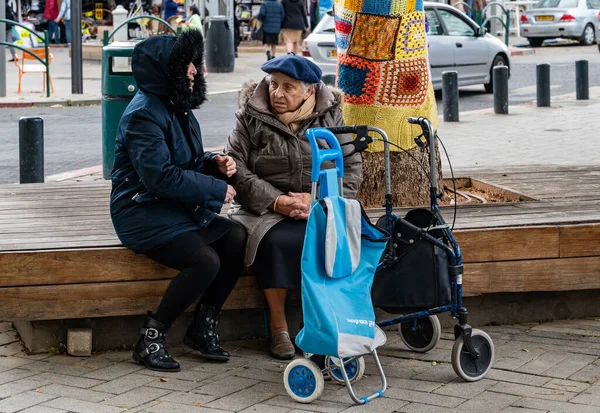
[271,15]
[163,183]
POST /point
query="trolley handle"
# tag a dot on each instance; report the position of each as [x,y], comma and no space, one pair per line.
[339,130]
[319,155]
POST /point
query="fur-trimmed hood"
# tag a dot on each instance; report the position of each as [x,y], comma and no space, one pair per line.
[256,95]
[160,62]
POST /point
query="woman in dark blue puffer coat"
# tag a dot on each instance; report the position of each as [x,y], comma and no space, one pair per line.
[167,193]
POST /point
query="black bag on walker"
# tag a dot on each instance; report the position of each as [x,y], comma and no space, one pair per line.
[420,279]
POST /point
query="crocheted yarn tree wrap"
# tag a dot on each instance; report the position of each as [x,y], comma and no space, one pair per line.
[383,68]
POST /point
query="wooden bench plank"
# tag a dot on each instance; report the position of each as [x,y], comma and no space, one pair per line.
[508,244]
[579,240]
[105,299]
[563,274]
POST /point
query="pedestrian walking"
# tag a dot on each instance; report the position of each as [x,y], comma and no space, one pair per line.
[294,25]
[50,14]
[271,15]
[10,38]
[167,193]
[65,15]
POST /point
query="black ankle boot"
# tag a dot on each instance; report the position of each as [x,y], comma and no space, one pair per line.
[269,57]
[150,349]
[201,335]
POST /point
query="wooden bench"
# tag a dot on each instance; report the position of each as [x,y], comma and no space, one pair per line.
[60,258]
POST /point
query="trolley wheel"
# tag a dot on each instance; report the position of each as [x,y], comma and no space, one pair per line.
[303,381]
[354,370]
[467,367]
[422,334]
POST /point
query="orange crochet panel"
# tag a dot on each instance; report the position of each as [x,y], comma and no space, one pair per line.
[358,79]
[374,37]
[403,83]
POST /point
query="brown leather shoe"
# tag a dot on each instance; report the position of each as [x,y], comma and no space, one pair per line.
[281,346]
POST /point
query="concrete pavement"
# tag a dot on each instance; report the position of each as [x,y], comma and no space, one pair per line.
[539,368]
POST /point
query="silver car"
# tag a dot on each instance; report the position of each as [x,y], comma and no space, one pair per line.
[455,43]
[570,19]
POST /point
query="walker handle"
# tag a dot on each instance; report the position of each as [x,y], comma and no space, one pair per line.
[319,156]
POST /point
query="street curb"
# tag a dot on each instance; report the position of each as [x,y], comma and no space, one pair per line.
[521,52]
[76,173]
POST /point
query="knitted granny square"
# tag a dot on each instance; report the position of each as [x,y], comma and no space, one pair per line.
[358,79]
[411,38]
[381,7]
[374,37]
[411,5]
[398,7]
[403,83]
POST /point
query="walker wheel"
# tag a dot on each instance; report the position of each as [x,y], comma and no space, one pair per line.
[467,367]
[354,369]
[422,334]
[303,381]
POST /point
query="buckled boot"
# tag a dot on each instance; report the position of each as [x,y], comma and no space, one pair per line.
[202,336]
[150,349]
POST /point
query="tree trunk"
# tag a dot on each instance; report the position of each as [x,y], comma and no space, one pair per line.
[410,178]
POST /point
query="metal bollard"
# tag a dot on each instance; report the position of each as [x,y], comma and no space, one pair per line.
[543,85]
[500,79]
[582,80]
[31,150]
[450,96]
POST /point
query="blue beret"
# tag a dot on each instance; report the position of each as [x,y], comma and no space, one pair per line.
[296,67]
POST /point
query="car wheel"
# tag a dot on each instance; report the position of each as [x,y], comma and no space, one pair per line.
[499,60]
[536,41]
[589,36]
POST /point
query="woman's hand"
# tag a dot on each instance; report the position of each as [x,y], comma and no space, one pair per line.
[229,195]
[292,206]
[226,165]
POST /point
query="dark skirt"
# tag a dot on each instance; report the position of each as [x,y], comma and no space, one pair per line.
[277,262]
[271,38]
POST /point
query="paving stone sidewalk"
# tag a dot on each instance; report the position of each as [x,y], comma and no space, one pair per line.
[548,367]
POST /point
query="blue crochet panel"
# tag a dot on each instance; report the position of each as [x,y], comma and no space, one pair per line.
[381,7]
[352,79]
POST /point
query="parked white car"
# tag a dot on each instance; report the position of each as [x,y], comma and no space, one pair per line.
[455,43]
[570,19]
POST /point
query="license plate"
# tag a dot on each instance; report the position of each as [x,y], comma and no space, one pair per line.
[332,53]
[544,18]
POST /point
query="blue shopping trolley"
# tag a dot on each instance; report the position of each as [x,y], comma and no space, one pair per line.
[341,252]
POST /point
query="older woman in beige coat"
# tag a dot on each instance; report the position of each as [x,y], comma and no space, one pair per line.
[273,176]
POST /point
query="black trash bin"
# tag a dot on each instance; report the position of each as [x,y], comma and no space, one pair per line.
[220,54]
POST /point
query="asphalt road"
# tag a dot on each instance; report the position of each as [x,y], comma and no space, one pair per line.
[73,134]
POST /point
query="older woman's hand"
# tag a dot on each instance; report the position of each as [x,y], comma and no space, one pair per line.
[226,165]
[294,207]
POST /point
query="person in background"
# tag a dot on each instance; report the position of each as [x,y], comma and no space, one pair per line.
[294,24]
[10,15]
[50,14]
[271,15]
[169,9]
[193,20]
[65,13]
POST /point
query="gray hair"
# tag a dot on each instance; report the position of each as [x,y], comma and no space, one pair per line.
[305,85]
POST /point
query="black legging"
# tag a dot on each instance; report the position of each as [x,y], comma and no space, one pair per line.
[211,269]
